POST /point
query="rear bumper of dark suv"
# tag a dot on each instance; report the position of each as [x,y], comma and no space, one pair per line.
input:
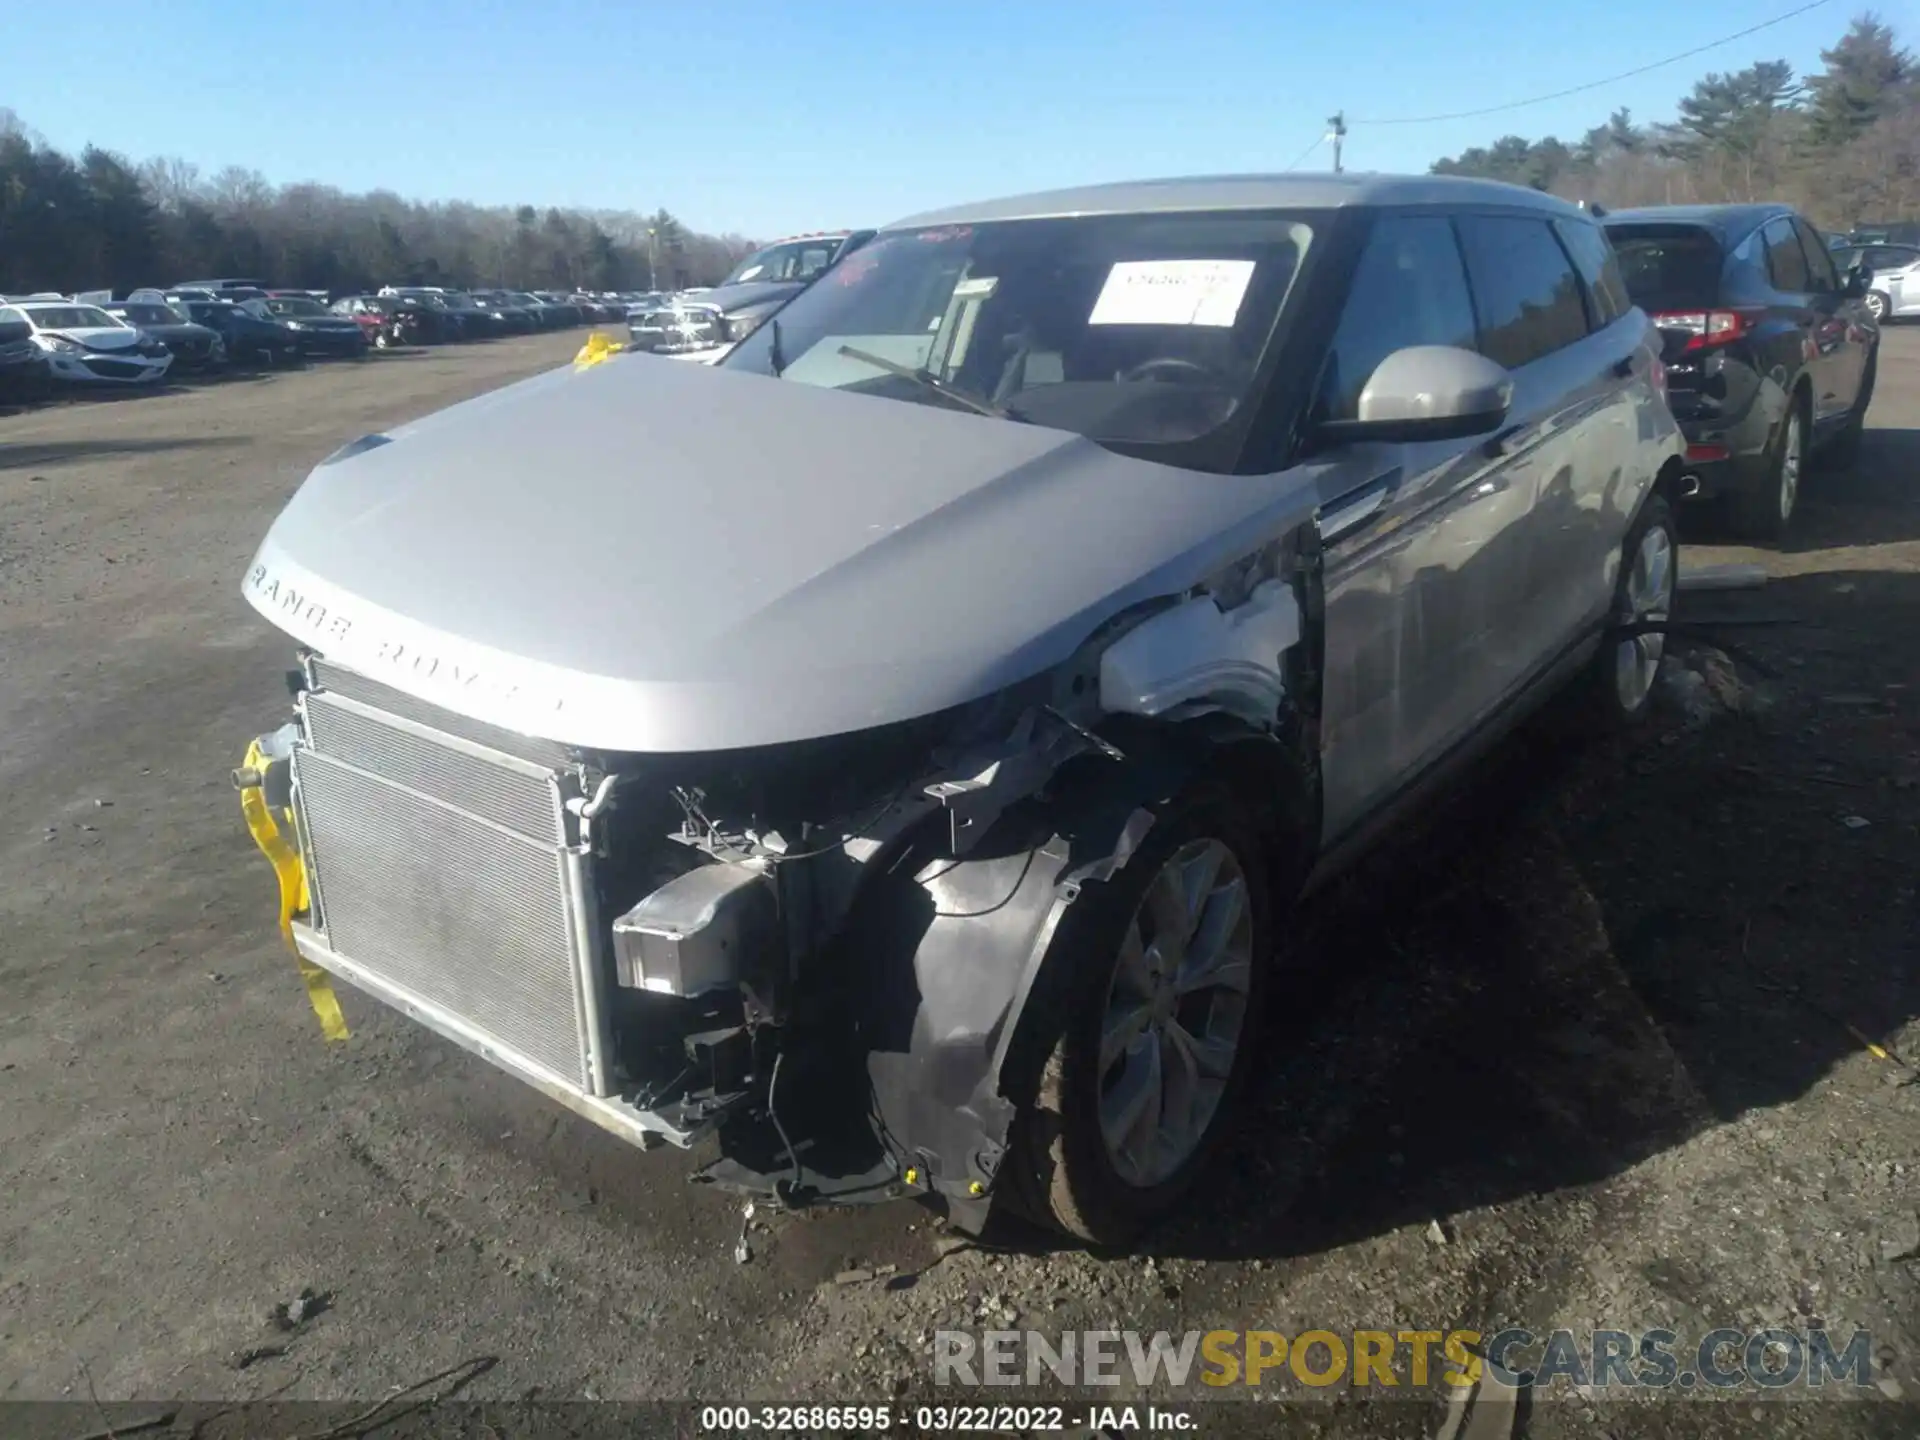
[1728,458]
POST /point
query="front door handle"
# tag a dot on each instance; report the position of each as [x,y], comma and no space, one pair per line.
[1621,369]
[1357,507]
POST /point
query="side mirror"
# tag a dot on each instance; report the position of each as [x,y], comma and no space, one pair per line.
[1858,282]
[1427,392]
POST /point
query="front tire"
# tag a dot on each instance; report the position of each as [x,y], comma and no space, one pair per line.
[1147,1019]
[1879,305]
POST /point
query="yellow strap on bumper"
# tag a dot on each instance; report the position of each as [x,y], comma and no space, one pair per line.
[292,874]
[600,345]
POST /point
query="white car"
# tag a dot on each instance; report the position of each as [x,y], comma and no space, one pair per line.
[1894,291]
[86,345]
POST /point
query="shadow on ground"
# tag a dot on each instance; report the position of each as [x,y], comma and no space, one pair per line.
[56,452]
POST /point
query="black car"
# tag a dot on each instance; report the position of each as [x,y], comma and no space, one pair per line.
[508,317]
[568,312]
[24,371]
[321,331]
[250,339]
[476,320]
[1771,352]
[451,321]
[194,347]
[546,315]
[405,318]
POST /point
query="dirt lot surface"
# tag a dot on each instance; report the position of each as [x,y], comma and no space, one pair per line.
[1603,1019]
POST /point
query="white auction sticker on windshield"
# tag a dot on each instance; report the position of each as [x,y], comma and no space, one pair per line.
[1173,292]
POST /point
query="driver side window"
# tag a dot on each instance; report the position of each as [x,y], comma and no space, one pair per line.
[1410,288]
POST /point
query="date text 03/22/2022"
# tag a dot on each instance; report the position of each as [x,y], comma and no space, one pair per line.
[939,1419]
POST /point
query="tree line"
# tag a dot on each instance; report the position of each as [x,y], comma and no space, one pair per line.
[101,220]
[1842,145]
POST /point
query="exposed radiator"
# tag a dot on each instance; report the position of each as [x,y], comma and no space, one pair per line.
[440,865]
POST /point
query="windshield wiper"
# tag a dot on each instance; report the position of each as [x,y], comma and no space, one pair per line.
[927,380]
[776,358]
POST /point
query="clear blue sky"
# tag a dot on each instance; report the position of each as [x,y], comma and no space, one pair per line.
[765,116]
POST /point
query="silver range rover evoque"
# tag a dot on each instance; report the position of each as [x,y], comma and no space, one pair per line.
[907,769]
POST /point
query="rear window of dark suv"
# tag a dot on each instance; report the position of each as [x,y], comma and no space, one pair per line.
[1668,267]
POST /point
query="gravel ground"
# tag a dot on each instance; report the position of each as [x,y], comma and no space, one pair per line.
[1585,1049]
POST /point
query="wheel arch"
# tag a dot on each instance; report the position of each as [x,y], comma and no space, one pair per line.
[952,951]
[1669,484]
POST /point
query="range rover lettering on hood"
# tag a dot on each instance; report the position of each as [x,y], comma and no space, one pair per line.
[386,658]
[655,557]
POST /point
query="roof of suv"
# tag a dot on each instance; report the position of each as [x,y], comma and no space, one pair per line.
[1727,220]
[1244,192]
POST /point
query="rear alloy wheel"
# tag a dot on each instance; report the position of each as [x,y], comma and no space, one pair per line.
[1151,1000]
[1646,595]
[1765,511]
[1618,691]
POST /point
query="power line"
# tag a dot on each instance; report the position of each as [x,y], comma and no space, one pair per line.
[1318,141]
[1596,84]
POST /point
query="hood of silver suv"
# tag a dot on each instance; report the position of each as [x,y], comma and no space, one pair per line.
[656,557]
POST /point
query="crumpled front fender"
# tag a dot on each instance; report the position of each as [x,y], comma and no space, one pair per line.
[952,955]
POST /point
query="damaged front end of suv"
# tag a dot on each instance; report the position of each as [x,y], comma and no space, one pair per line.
[757,785]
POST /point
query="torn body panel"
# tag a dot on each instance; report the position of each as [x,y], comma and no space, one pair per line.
[821,951]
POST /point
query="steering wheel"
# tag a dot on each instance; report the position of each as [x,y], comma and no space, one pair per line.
[1173,366]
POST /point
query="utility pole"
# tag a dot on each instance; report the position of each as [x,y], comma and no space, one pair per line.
[1339,124]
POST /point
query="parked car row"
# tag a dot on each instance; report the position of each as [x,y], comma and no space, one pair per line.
[142,336]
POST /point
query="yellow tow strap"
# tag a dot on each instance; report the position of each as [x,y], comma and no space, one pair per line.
[599,346]
[285,859]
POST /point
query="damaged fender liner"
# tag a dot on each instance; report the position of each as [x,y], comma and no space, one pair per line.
[916,1039]
[951,958]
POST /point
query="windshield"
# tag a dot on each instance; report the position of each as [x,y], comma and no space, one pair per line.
[1668,267]
[1127,329]
[148,315]
[794,260]
[288,306]
[73,317]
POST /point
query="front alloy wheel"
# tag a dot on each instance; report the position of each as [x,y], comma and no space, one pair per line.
[1878,305]
[1175,1009]
[1140,1030]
